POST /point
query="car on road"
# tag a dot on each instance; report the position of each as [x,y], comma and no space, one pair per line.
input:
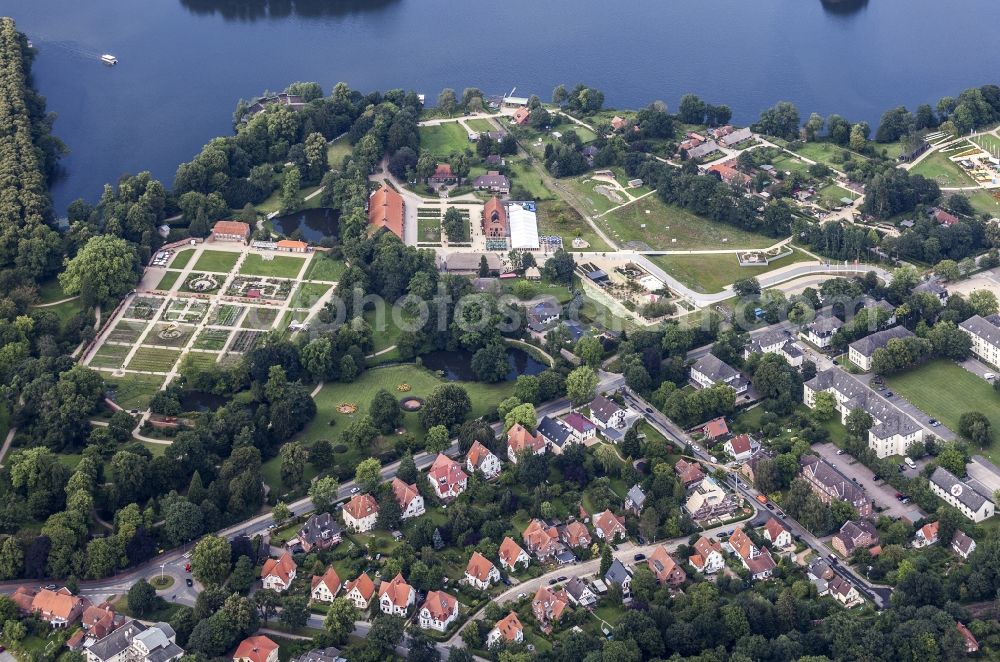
[770,506]
[522,595]
[639,557]
[889,394]
[189,581]
[552,582]
[989,376]
[781,514]
[562,578]
[910,463]
[905,500]
[840,451]
[721,534]
[935,423]
[51,587]
[355,490]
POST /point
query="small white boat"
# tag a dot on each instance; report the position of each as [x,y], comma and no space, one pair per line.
[109,59]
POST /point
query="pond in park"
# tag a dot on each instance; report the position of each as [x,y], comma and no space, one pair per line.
[314,224]
[201,401]
[457,366]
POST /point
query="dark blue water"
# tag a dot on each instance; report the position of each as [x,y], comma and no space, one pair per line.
[315,224]
[184,63]
[457,365]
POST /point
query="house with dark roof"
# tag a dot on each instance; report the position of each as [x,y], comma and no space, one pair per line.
[830,485]
[775,341]
[583,427]
[854,534]
[635,500]
[820,331]
[492,181]
[703,149]
[935,287]
[962,544]
[321,531]
[580,593]
[710,371]
[136,641]
[985,335]
[556,433]
[736,137]
[619,575]
[860,352]
[967,497]
[606,413]
[329,654]
[892,432]
[749,467]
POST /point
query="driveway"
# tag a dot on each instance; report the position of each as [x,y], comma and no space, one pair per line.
[977,367]
[883,493]
[921,417]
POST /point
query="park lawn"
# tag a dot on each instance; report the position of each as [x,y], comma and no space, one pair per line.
[324,267]
[670,227]
[134,391]
[988,142]
[308,294]
[945,391]
[337,150]
[50,291]
[273,202]
[279,266]
[429,230]
[788,163]
[271,471]
[828,153]
[558,218]
[941,169]
[386,330]
[525,176]
[154,359]
[67,310]
[481,125]
[220,262]
[443,140]
[984,202]
[168,280]
[182,258]
[713,272]
[830,196]
[583,190]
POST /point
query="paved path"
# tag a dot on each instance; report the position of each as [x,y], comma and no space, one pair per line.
[8,440]
[56,303]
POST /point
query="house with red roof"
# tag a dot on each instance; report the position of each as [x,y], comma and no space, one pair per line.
[291,246]
[548,606]
[741,447]
[542,540]
[926,535]
[971,644]
[59,608]
[690,473]
[360,591]
[101,620]
[715,429]
[495,218]
[728,173]
[386,209]
[775,533]
[508,629]
[396,596]
[584,429]
[442,175]
[480,572]
[482,459]
[411,503]
[447,478]
[512,557]
[708,558]
[521,116]
[278,574]
[361,513]
[231,231]
[757,560]
[257,648]
[575,534]
[944,218]
[665,568]
[326,586]
[609,526]
[438,611]
[521,440]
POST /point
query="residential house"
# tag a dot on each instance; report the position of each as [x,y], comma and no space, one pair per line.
[575,534]
[619,575]
[495,219]
[321,531]
[664,568]
[533,273]
[442,175]
[59,608]
[495,161]
[482,459]
[492,181]
[820,331]
[556,433]
[521,440]
[395,597]
[480,572]
[749,467]
[257,648]
[438,612]
[635,500]
[135,640]
[962,544]
[411,503]
[326,586]
[707,558]
[843,591]
[508,630]
[294,102]
[447,478]
[100,620]
[728,173]
[985,335]
[775,341]
[971,644]
[736,137]
[328,654]
[708,501]
[970,498]
[820,573]
[715,429]
[703,149]
[512,557]
[860,352]
[543,314]
[926,535]
[690,143]
[606,413]
[387,209]
[542,540]
[854,534]
[830,485]
[741,447]
[610,527]
[361,513]
[775,533]
[583,427]
[892,432]
[231,231]
[548,607]
[360,591]
[278,574]
[618,123]
[580,594]
[521,116]
[690,473]
[710,371]
[758,561]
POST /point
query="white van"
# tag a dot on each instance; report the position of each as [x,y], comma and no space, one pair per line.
[910,463]
[989,376]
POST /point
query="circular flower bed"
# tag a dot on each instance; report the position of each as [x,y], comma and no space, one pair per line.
[411,404]
[347,408]
[403,388]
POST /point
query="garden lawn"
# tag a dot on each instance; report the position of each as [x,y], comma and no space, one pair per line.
[213,339]
[168,280]
[109,356]
[945,172]
[324,267]
[526,177]
[221,262]
[984,202]
[945,391]
[480,125]
[337,150]
[827,153]
[280,266]
[154,359]
[443,140]
[558,218]
[429,229]
[584,190]
[713,272]
[181,258]
[830,196]
[50,291]
[134,391]
[308,294]
[787,163]
[666,223]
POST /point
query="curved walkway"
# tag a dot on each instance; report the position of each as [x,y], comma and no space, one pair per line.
[56,303]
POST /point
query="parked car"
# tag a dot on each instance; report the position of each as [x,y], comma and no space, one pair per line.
[889,394]
[562,578]
[522,595]
[649,410]
[355,490]
[840,451]
[639,557]
[721,534]
[189,581]
[552,582]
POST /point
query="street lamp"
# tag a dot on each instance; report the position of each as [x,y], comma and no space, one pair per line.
[162,565]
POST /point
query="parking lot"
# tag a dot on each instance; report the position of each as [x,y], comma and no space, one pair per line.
[922,418]
[883,493]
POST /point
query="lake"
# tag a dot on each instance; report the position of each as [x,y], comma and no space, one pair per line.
[457,365]
[315,224]
[185,63]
